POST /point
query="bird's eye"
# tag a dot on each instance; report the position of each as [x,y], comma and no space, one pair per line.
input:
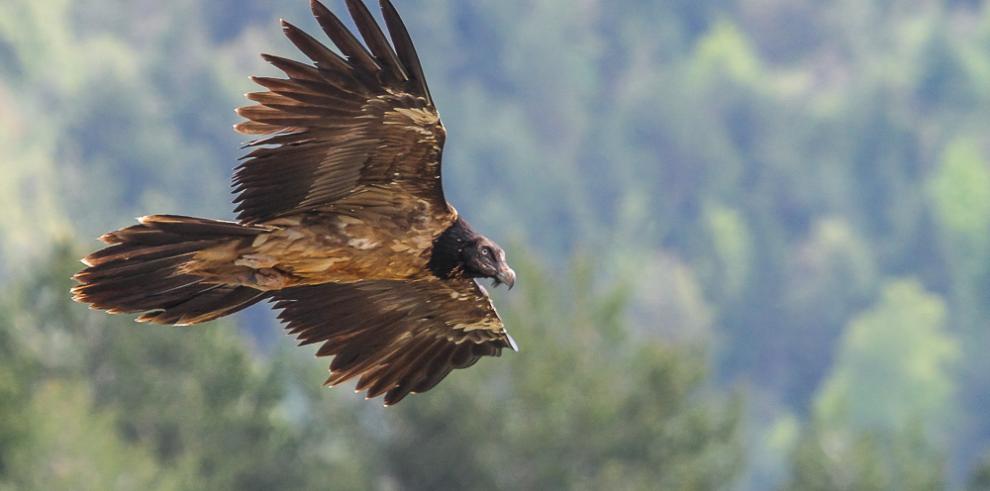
[486,251]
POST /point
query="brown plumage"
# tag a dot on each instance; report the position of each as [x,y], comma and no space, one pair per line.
[342,223]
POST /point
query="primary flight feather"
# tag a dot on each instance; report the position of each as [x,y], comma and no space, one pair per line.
[342,223]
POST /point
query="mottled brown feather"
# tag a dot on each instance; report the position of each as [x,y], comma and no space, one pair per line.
[397,337]
[365,119]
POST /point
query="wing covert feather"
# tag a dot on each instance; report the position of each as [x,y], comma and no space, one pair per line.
[340,126]
[396,337]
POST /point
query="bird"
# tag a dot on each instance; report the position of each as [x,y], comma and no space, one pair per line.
[341,223]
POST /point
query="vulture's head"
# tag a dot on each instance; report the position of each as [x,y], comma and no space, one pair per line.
[460,251]
[483,258]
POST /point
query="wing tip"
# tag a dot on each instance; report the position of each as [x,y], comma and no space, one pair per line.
[288,27]
[512,342]
[318,8]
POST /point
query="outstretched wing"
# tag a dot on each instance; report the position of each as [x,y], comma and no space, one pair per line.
[397,336]
[361,126]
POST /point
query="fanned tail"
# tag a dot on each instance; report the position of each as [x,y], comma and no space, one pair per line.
[142,272]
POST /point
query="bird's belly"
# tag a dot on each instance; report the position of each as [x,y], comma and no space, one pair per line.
[351,264]
[321,254]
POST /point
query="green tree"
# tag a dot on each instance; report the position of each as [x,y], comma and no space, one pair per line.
[960,192]
[979,477]
[75,446]
[870,429]
[589,402]
[839,460]
[192,407]
[592,401]
[889,354]
[749,170]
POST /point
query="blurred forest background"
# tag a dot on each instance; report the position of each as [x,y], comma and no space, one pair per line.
[753,239]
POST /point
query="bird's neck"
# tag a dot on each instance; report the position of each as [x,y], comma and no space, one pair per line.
[446,258]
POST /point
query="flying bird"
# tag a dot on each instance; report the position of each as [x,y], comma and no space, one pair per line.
[341,223]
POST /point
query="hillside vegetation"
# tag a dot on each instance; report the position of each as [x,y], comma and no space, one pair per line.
[753,239]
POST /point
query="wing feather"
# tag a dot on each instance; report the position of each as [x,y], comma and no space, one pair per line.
[405,49]
[345,41]
[375,39]
[395,337]
[295,69]
[315,50]
[343,125]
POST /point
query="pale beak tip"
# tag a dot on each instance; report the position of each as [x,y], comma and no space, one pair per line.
[508,277]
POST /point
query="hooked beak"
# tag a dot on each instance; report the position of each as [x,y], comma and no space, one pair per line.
[505,275]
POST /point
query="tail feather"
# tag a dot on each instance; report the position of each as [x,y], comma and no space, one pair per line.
[142,271]
[125,251]
[198,227]
[206,305]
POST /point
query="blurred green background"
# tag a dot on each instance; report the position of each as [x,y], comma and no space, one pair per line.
[753,239]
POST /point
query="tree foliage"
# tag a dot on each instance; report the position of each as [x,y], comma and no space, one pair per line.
[103,403]
[788,199]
